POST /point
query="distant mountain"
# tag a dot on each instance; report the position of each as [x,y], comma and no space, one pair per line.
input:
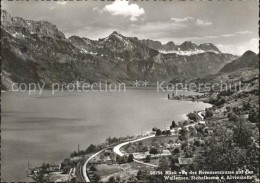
[242,69]
[248,60]
[187,48]
[36,51]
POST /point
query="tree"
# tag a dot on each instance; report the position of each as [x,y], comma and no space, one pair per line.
[221,153]
[73,180]
[170,141]
[253,116]
[183,145]
[121,160]
[96,177]
[193,116]
[92,168]
[148,158]
[188,152]
[192,130]
[41,178]
[173,125]
[209,113]
[158,132]
[73,154]
[118,179]
[175,164]
[130,158]
[176,151]
[181,138]
[228,109]
[222,100]
[168,133]
[163,164]
[66,169]
[153,151]
[142,175]
[144,148]
[113,157]
[154,129]
[140,143]
[252,159]
[200,128]
[112,179]
[197,142]
[242,135]
[91,148]
[246,106]
[232,117]
[108,140]
[184,132]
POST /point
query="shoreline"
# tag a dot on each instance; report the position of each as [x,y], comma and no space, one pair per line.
[149,132]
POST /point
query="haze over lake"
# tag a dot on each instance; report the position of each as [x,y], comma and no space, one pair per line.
[47,128]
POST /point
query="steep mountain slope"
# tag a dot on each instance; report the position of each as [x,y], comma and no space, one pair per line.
[36,51]
[197,65]
[248,60]
[245,69]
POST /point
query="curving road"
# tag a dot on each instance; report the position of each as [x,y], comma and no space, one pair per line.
[83,164]
[83,168]
[116,149]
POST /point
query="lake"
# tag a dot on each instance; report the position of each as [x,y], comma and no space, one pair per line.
[47,128]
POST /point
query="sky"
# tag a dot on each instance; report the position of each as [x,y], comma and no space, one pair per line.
[231,25]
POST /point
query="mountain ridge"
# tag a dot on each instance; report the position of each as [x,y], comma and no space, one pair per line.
[248,60]
[44,54]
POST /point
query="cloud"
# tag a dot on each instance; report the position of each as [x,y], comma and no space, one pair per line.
[185,19]
[98,9]
[153,30]
[157,26]
[244,32]
[240,48]
[211,37]
[62,2]
[123,8]
[203,22]
[51,8]
[227,35]
[197,21]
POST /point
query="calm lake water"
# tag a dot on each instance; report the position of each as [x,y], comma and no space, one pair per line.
[48,128]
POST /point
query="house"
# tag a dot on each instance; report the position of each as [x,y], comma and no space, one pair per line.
[96,160]
[209,130]
[53,168]
[172,145]
[107,152]
[185,161]
[108,160]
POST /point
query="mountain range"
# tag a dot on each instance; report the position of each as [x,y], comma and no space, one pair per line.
[36,51]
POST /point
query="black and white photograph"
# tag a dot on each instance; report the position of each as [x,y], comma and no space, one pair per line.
[150,91]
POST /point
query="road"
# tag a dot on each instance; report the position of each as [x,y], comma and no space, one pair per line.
[116,149]
[83,164]
[199,113]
